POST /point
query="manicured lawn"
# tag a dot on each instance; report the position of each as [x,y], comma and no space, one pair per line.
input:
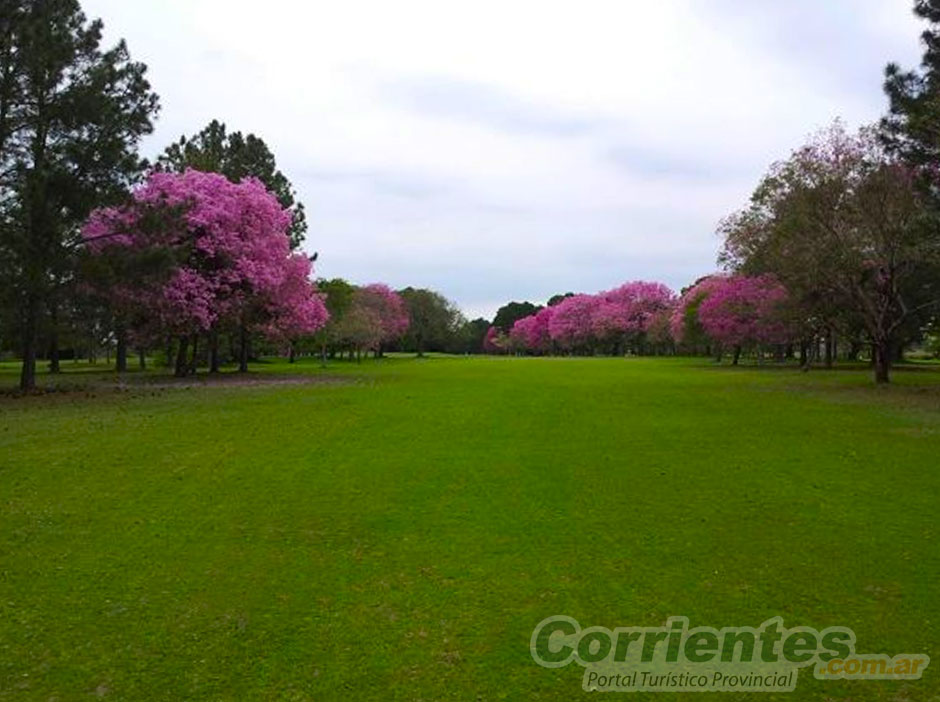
[396,530]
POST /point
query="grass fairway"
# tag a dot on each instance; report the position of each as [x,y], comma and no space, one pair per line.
[398,531]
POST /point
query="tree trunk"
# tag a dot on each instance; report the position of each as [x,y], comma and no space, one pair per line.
[28,371]
[323,355]
[737,356]
[195,360]
[854,349]
[54,365]
[419,343]
[169,350]
[54,339]
[897,353]
[804,355]
[120,353]
[291,353]
[181,364]
[214,352]
[881,354]
[142,356]
[829,343]
[243,350]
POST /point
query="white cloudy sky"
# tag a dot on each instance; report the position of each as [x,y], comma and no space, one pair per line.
[511,150]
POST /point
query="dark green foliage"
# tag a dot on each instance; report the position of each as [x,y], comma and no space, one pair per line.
[433,320]
[71,116]
[510,313]
[473,333]
[912,125]
[555,299]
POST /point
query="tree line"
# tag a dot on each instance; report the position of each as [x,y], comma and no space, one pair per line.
[838,248]
[197,255]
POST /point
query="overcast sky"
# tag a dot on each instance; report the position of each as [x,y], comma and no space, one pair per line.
[511,150]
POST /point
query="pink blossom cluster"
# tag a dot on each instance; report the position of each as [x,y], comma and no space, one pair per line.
[734,311]
[746,310]
[683,322]
[532,333]
[229,251]
[386,309]
[611,316]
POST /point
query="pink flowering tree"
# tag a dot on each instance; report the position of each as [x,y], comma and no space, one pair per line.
[623,315]
[376,315]
[390,309]
[531,333]
[296,309]
[742,311]
[685,327]
[519,334]
[226,262]
[573,324]
[659,331]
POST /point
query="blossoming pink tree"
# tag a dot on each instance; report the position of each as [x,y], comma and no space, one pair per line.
[531,333]
[734,312]
[606,321]
[225,256]
[390,311]
[684,322]
[623,315]
[573,324]
[377,315]
[745,311]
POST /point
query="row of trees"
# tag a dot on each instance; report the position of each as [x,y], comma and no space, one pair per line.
[850,228]
[839,245]
[418,320]
[625,318]
[199,253]
[850,223]
[719,312]
[839,242]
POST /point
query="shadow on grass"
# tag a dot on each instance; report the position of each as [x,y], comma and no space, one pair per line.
[90,384]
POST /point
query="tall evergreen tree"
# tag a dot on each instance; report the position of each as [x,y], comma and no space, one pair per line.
[912,126]
[71,117]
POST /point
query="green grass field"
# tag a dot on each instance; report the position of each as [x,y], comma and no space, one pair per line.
[395,530]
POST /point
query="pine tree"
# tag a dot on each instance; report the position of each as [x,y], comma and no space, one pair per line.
[71,117]
[912,126]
